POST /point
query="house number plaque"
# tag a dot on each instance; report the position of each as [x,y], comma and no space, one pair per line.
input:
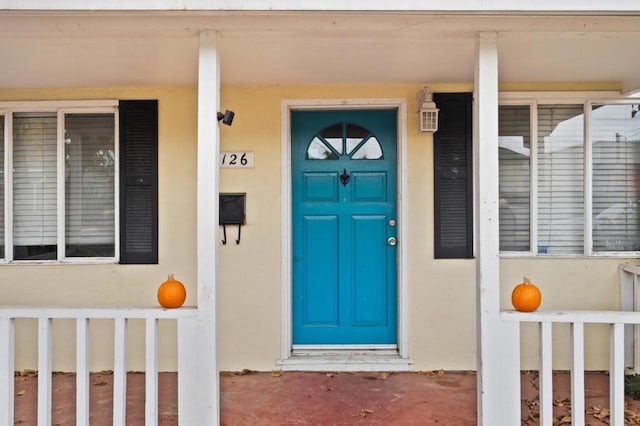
[236,159]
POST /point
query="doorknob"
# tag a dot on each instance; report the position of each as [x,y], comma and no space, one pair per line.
[392,241]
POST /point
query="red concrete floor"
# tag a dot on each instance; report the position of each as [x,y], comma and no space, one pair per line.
[291,398]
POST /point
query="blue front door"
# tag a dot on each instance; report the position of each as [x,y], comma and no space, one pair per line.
[344,226]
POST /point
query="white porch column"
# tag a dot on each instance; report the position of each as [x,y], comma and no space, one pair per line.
[498,343]
[207,229]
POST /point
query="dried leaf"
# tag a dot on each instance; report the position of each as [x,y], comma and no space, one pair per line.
[561,402]
[330,374]
[364,412]
[21,379]
[440,373]
[245,371]
[385,375]
[276,373]
[226,374]
[22,392]
[101,383]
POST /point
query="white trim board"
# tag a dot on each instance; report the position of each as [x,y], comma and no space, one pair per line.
[470,6]
[333,363]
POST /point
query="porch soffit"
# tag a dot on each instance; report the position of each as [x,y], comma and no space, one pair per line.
[85,49]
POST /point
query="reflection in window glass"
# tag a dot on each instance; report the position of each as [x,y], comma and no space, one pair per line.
[560,179]
[333,136]
[370,150]
[355,135]
[318,150]
[514,153]
[89,185]
[359,144]
[615,141]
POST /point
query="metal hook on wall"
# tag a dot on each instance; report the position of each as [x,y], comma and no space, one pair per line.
[224,234]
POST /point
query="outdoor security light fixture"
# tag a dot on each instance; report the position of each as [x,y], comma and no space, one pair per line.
[427,112]
[227,117]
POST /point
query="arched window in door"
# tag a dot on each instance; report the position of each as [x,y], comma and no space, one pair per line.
[344,140]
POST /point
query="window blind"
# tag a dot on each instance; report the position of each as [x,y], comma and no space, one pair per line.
[89,185]
[560,179]
[514,155]
[615,139]
[34,186]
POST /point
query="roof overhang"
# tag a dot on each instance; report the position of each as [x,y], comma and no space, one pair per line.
[71,48]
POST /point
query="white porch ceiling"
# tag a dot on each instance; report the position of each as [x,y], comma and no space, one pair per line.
[143,49]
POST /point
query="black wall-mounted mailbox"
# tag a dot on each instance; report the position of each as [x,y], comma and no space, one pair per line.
[232,212]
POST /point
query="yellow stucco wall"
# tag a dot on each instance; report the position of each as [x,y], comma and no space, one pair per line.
[441,293]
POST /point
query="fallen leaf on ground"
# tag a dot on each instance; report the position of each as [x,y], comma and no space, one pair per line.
[276,373]
[364,412]
[385,375]
[101,383]
[22,392]
[226,374]
[245,371]
[440,373]
[330,374]
[561,402]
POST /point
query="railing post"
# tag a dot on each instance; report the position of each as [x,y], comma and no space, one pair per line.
[577,374]
[151,373]
[7,353]
[120,372]
[546,374]
[187,371]
[45,355]
[616,375]
[627,302]
[82,372]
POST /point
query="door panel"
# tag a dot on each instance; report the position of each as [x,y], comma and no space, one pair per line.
[321,272]
[344,211]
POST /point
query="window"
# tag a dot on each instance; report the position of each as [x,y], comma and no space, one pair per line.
[514,152]
[568,187]
[354,141]
[60,194]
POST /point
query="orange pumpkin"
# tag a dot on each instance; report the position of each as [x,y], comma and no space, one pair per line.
[526,297]
[171,293]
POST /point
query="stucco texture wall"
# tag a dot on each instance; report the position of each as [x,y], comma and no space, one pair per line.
[441,293]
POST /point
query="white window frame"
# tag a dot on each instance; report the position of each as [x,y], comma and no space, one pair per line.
[587,99]
[61,108]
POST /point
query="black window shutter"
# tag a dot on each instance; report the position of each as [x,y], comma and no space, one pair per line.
[453,177]
[139,181]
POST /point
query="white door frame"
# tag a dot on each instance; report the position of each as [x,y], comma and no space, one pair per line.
[401,169]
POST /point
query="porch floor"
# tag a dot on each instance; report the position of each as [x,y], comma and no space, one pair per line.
[276,398]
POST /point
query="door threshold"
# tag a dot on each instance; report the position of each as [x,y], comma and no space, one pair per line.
[345,358]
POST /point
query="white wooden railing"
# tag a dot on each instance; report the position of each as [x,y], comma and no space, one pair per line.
[624,348]
[187,374]
[577,319]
